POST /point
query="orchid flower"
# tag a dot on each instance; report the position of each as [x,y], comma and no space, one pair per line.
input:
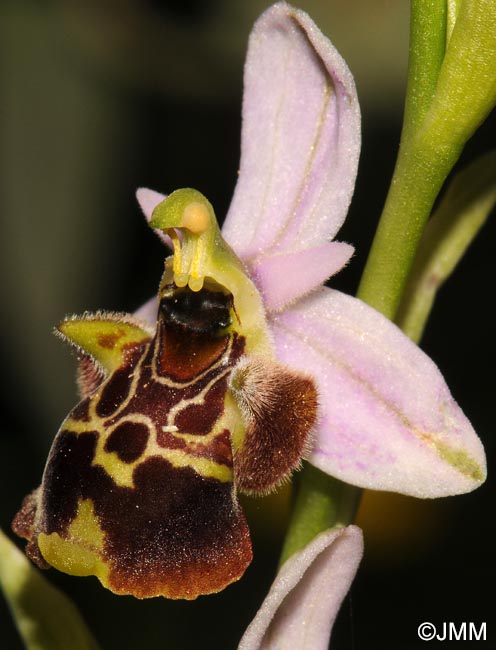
[151,506]
[387,419]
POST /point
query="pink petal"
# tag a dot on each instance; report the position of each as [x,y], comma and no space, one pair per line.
[388,419]
[302,604]
[148,311]
[148,201]
[300,138]
[286,277]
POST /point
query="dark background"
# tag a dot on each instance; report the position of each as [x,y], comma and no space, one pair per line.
[98,98]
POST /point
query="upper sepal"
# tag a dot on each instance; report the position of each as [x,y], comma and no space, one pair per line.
[388,419]
[300,139]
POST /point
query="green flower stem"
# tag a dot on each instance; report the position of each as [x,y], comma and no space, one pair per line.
[322,502]
[402,220]
[464,94]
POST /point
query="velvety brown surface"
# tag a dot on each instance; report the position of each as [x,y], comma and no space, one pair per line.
[175,533]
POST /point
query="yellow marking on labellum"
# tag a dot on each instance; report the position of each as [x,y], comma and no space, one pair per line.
[198,441]
[198,399]
[95,423]
[80,426]
[205,440]
[136,376]
[202,466]
[122,472]
[85,528]
[230,420]
[79,554]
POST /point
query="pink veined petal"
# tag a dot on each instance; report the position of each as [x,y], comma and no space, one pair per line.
[148,311]
[303,602]
[284,278]
[148,201]
[388,420]
[300,139]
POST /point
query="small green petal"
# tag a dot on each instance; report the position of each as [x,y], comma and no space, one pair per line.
[45,617]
